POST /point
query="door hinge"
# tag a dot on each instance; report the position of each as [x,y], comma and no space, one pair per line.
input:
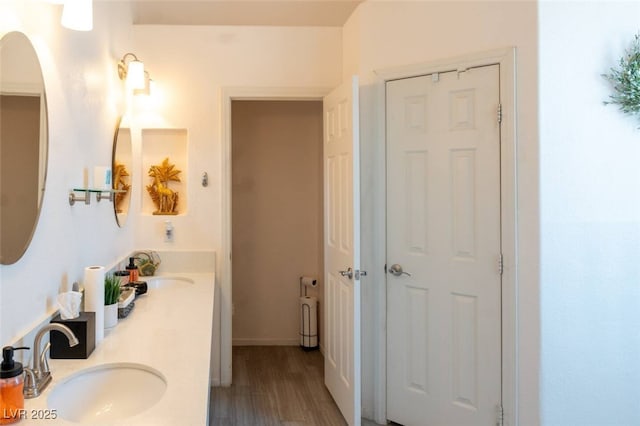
[500,264]
[360,273]
[500,414]
[499,113]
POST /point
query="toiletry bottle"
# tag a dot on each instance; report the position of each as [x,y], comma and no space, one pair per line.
[123,276]
[133,270]
[11,386]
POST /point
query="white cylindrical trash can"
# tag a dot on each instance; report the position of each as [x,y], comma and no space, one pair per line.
[308,322]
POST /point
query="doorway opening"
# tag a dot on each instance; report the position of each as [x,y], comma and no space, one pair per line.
[276,217]
[339,109]
[223,325]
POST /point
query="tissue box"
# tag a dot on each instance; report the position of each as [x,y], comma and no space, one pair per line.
[84,327]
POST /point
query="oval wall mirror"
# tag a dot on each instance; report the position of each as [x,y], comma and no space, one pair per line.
[23,145]
[121,166]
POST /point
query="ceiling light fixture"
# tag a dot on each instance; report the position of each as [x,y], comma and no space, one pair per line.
[78,15]
[133,71]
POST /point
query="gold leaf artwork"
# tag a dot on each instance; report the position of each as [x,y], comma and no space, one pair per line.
[120,177]
[165,200]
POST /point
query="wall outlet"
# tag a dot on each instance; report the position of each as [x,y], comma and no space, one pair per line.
[168,231]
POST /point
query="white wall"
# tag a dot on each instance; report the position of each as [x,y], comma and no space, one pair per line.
[192,64]
[84,97]
[590,218]
[388,34]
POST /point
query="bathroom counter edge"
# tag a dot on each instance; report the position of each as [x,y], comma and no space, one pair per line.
[170,330]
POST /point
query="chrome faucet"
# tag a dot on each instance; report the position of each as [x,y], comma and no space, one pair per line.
[38,376]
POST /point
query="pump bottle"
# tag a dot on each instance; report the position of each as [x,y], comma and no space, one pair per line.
[133,270]
[11,387]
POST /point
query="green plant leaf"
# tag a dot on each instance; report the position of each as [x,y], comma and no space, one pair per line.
[626,80]
[111,289]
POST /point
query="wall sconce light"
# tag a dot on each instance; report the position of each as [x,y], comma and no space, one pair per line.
[148,86]
[78,15]
[133,71]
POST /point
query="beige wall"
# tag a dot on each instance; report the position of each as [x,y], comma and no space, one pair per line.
[276,215]
[19,171]
[191,65]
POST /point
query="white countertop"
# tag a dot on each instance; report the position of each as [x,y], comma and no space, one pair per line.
[169,330]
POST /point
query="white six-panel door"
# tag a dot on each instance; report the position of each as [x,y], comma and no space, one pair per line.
[342,250]
[443,228]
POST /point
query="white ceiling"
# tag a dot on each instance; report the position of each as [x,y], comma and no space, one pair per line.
[325,13]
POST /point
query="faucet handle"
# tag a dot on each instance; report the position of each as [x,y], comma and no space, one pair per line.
[44,362]
[30,389]
[29,378]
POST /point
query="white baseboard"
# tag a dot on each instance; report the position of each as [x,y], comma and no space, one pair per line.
[265,342]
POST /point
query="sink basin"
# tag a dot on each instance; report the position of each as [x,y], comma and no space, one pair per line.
[107,393]
[161,282]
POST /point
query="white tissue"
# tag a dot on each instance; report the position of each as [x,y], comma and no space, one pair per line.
[69,304]
[94,297]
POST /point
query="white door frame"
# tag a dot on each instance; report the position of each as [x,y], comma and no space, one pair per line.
[506,58]
[248,94]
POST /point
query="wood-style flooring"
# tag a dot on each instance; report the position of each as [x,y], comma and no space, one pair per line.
[275,385]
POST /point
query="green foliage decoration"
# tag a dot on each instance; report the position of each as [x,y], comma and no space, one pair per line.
[111,289]
[626,80]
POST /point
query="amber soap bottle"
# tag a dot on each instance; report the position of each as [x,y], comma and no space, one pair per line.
[133,270]
[11,386]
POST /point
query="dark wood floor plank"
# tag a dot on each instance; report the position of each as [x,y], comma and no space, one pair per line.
[275,386]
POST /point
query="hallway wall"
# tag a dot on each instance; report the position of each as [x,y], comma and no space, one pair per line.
[277,216]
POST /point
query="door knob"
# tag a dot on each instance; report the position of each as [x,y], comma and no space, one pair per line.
[348,273]
[396,270]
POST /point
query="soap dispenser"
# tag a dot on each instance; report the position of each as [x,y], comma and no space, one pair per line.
[11,387]
[133,270]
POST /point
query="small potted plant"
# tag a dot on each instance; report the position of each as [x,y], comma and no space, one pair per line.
[111,296]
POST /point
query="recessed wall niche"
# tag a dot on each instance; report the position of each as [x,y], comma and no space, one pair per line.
[158,145]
